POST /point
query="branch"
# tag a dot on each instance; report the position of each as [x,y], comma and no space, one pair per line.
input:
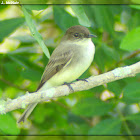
[63,90]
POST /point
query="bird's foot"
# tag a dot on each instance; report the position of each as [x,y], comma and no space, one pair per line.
[82,80]
[68,84]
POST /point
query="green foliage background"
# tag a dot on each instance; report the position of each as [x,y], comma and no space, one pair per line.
[111,109]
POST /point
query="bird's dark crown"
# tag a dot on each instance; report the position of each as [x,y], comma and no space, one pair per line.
[76,32]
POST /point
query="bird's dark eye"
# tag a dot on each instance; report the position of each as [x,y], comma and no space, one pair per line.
[76,34]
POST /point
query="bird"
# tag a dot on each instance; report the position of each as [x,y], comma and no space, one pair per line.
[69,60]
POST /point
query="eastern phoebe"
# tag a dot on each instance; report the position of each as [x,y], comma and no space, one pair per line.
[68,61]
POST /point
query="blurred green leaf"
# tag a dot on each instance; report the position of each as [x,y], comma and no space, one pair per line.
[98,89]
[107,127]
[135,118]
[8,26]
[80,13]
[34,31]
[115,9]
[24,50]
[63,19]
[75,119]
[115,87]
[135,1]
[30,71]
[2,7]
[39,118]
[126,15]
[0,92]
[31,74]
[8,125]
[131,41]
[77,129]
[25,61]
[111,53]
[18,61]
[132,93]
[129,80]
[135,6]
[36,6]
[91,106]
[101,16]
[99,58]
[24,39]
[13,70]
[134,21]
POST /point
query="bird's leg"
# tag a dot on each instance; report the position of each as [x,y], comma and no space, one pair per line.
[82,80]
[68,84]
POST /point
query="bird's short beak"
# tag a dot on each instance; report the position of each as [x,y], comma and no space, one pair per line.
[91,35]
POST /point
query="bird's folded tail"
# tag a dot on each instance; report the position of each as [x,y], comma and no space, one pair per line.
[27,112]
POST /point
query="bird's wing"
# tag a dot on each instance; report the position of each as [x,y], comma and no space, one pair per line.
[58,60]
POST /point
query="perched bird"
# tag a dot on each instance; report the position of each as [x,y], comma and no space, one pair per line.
[68,61]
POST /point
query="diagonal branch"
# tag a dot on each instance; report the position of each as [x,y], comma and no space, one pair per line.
[93,81]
